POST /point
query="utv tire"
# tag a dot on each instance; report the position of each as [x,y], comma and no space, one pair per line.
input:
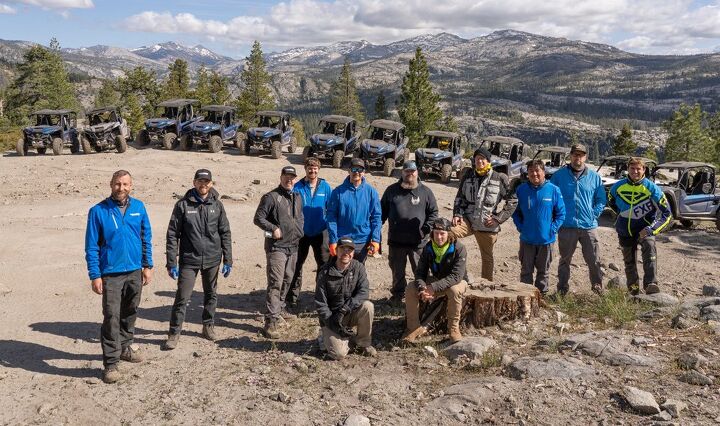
[307,153]
[215,144]
[337,158]
[388,166]
[57,146]
[275,149]
[40,151]
[242,146]
[686,223]
[445,173]
[85,142]
[20,148]
[293,145]
[169,140]
[185,143]
[142,138]
[120,144]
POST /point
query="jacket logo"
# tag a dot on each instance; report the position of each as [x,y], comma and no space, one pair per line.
[134,214]
[212,211]
[414,200]
[642,209]
[191,211]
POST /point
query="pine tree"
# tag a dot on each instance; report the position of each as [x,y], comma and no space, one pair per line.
[107,95]
[255,81]
[134,113]
[141,83]
[177,83]
[688,140]
[449,124]
[202,90]
[344,99]
[651,151]
[381,111]
[219,92]
[418,107]
[714,130]
[623,144]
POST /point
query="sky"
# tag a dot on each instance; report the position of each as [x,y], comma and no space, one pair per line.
[229,27]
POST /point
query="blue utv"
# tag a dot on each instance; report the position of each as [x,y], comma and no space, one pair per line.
[441,156]
[338,137]
[217,126]
[271,134]
[386,147]
[53,128]
[175,124]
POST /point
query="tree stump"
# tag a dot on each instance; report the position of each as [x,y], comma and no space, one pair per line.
[488,303]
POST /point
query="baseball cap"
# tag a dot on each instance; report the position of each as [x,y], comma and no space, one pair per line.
[345,241]
[578,147]
[203,174]
[357,162]
[484,152]
[288,170]
[410,165]
[442,224]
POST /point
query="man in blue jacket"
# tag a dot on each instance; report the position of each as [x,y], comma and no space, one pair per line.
[585,199]
[315,193]
[354,211]
[643,212]
[538,216]
[118,252]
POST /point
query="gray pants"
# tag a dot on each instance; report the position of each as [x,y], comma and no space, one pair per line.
[649,257]
[535,257]
[280,270]
[186,282]
[397,259]
[120,301]
[567,243]
[362,318]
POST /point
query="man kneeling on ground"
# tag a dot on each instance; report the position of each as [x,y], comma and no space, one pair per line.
[446,259]
[341,298]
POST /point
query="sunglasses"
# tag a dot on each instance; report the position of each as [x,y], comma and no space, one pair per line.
[357,169]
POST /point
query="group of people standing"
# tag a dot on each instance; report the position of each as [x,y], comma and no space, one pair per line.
[343,227]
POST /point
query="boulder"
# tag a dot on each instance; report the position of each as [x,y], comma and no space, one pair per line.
[609,349]
[674,407]
[659,299]
[691,361]
[617,282]
[641,401]
[471,347]
[356,420]
[549,367]
[711,290]
[695,377]
[710,313]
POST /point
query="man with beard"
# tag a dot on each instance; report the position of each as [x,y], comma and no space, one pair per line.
[118,252]
[200,225]
[410,208]
[280,215]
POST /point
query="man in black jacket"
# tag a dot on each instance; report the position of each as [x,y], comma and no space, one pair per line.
[201,226]
[446,260]
[341,298]
[280,215]
[410,209]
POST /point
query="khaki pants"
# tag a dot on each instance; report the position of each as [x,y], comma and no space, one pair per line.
[454,296]
[338,347]
[485,240]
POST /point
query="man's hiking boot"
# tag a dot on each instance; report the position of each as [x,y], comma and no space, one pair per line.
[633,289]
[131,355]
[111,374]
[270,330]
[208,332]
[652,288]
[455,335]
[367,351]
[287,315]
[171,342]
[598,289]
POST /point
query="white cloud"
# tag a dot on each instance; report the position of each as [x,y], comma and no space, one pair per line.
[57,4]
[6,9]
[650,26]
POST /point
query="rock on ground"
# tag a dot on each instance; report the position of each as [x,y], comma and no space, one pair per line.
[549,367]
[641,401]
[659,299]
[356,420]
[691,360]
[695,377]
[674,407]
[471,347]
[609,349]
[710,313]
[711,290]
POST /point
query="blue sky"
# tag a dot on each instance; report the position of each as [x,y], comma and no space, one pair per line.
[229,27]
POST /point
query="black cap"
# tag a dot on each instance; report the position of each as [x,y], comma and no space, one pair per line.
[288,170]
[578,147]
[357,162]
[410,165]
[346,241]
[203,174]
[482,151]
[442,224]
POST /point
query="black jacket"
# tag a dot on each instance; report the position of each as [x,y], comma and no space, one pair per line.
[203,230]
[337,290]
[409,212]
[282,209]
[445,274]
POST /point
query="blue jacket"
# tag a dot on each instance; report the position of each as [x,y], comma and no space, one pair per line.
[584,198]
[355,213]
[639,205]
[539,213]
[314,206]
[117,243]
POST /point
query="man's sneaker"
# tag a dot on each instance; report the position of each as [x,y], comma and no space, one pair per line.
[633,289]
[652,288]
[598,289]
[270,330]
[171,342]
[208,332]
[131,355]
[287,316]
[368,351]
[111,374]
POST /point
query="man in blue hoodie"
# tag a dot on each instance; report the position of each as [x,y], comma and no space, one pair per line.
[538,216]
[354,211]
[315,193]
[585,199]
[118,252]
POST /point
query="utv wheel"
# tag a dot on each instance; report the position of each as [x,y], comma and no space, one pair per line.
[337,158]
[687,223]
[307,153]
[242,146]
[39,151]
[185,143]
[445,173]
[215,144]
[388,166]
[85,142]
[20,148]
[120,144]
[57,146]
[169,140]
[142,138]
[293,145]
[275,149]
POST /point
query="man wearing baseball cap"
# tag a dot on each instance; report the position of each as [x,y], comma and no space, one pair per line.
[280,215]
[584,197]
[354,211]
[410,208]
[477,207]
[341,298]
[201,227]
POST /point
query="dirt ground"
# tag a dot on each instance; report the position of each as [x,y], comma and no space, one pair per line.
[50,362]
